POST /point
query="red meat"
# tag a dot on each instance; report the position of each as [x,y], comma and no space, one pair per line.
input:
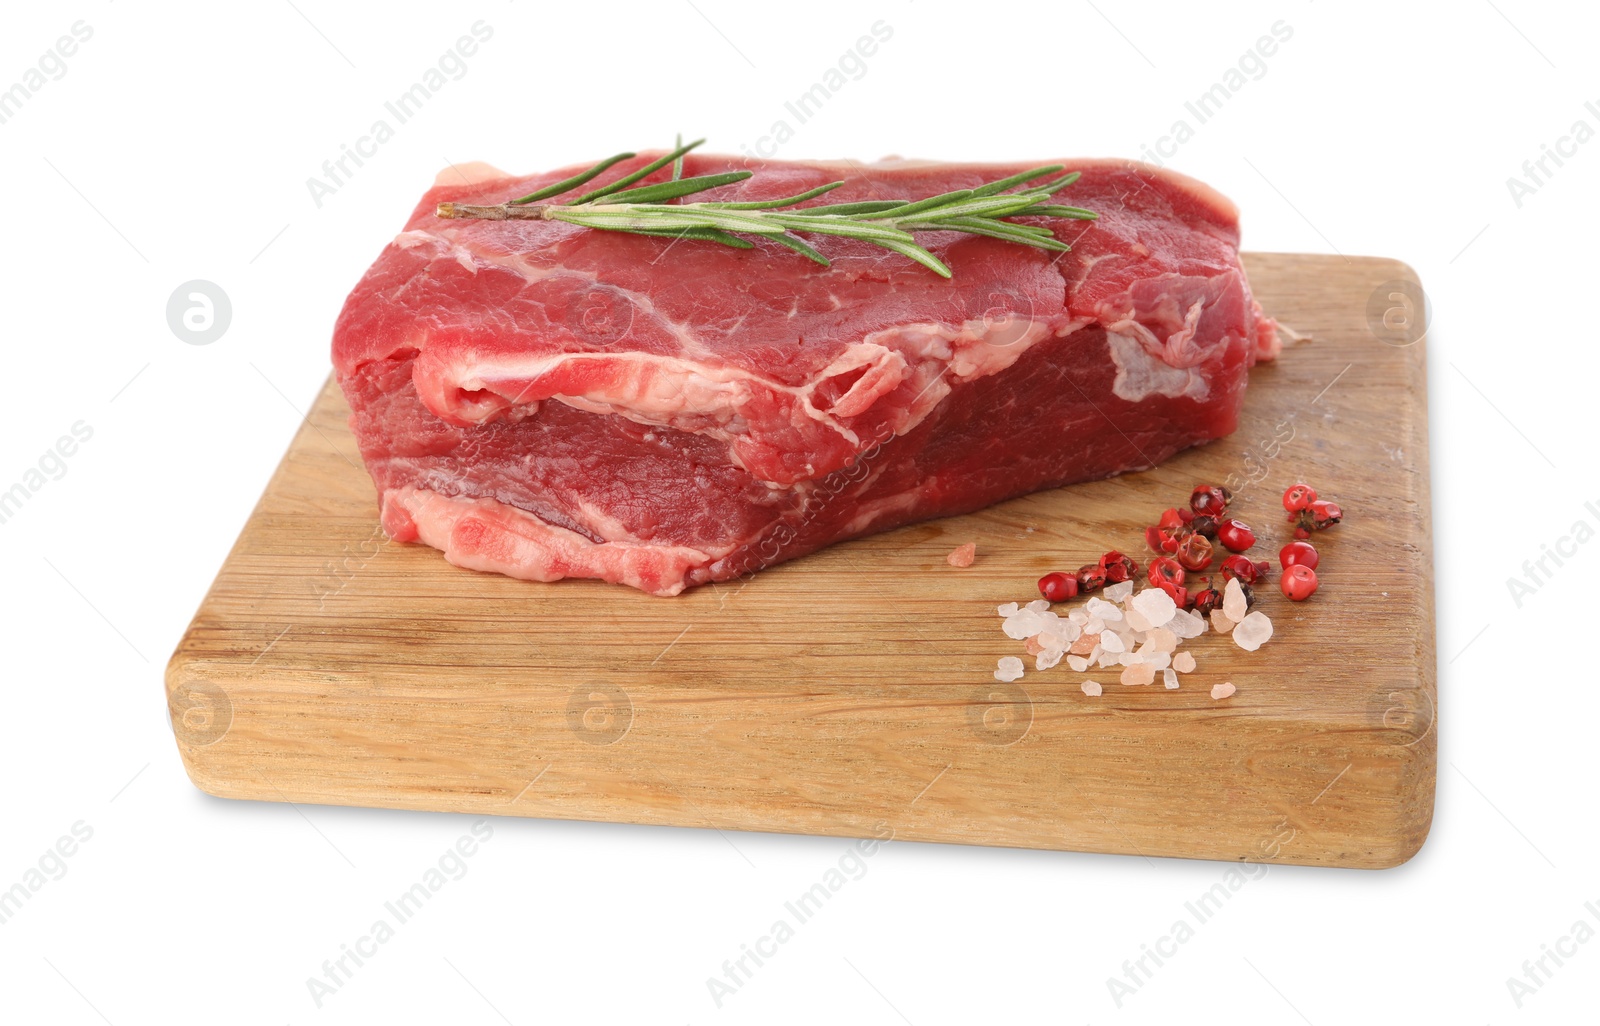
[548,401]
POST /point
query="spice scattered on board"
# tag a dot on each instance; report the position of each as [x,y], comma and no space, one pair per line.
[1140,630]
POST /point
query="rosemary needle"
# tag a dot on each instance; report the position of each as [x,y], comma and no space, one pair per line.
[650,210]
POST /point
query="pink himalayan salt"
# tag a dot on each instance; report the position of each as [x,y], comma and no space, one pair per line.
[963,555]
[1163,640]
[1234,604]
[1138,673]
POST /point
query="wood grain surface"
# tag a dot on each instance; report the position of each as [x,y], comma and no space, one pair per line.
[851,692]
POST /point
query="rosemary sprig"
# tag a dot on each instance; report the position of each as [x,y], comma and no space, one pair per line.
[650,210]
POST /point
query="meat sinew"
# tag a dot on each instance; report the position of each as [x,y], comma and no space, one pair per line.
[548,401]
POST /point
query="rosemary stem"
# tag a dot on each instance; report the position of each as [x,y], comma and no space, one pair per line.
[499,212]
[651,209]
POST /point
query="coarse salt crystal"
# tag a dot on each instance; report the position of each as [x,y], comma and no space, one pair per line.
[1038,605]
[1155,605]
[1220,622]
[1136,620]
[1033,646]
[1159,660]
[1008,669]
[1095,625]
[1009,609]
[1234,603]
[962,555]
[1078,616]
[1048,659]
[1119,592]
[1169,679]
[1087,642]
[1163,640]
[1112,642]
[1091,688]
[1078,663]
[1105,659]
[1183,662]
[1023,624]
[1137,674]
[1253,631]
[1186,624]
[1053,639]
[1102,609]
[1223,690]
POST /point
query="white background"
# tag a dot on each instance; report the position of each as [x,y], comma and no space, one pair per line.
[177,146]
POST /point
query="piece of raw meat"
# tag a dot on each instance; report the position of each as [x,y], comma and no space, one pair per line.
[548,401]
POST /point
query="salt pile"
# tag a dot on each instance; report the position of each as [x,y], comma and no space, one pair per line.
[1139,631]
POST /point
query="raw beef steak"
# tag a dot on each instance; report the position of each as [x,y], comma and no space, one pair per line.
[548,401]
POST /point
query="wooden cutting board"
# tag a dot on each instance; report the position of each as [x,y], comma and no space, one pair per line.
[851,692]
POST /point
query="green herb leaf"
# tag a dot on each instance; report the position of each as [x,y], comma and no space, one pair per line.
[920,255]
[672,190]
[569,184]
[1026,176]
[799,246]
[627,180]
[1051,210]
[704,234]
[851,209]
[914,208]
[787,201]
